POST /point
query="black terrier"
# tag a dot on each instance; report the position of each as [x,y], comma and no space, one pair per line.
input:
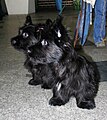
[55,64]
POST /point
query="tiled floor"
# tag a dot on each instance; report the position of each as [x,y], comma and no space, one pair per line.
[18,100]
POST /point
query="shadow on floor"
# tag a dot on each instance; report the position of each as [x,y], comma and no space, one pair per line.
[102,67]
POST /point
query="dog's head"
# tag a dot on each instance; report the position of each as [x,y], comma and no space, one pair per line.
[45,51]
[28,34]
[60,33]
[25,37]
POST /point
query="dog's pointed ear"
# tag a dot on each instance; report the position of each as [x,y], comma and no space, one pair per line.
[49,22]
[58,21]
[28,20]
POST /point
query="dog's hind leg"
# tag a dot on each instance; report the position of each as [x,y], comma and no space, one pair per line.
[85,102]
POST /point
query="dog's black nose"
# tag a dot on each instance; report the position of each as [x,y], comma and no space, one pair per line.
[13,41]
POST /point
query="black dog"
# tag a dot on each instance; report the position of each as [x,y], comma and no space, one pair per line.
[55,64]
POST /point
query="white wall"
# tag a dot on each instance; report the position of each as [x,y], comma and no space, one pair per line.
[31,6]
[20,6]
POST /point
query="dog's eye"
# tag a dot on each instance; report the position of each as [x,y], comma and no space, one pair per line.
[25,35]
[44,43]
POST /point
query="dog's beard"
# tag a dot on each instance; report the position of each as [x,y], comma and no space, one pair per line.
[23,45]
[46,55]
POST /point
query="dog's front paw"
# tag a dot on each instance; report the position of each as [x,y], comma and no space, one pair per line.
[34,82]
[87,105]
[56,102]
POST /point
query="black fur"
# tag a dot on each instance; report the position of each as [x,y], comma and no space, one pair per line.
[55,64]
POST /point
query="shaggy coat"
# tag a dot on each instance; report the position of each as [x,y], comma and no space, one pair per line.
[55,64]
